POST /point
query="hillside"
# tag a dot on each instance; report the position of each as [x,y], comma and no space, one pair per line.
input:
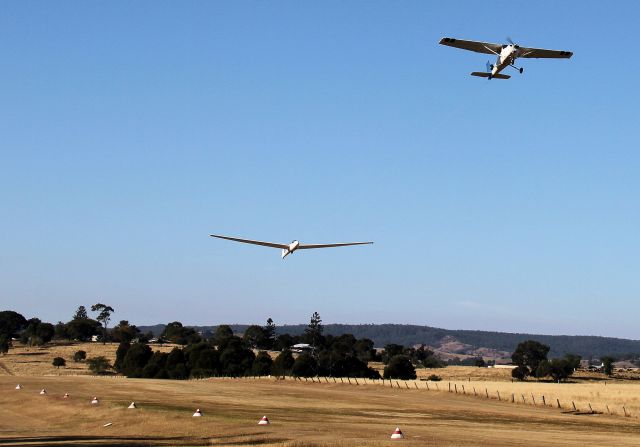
[466,341]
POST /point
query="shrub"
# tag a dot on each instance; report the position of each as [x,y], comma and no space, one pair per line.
[399,367]
[99,365]
[434,378]
[58,362]
[520,373]
[79,356]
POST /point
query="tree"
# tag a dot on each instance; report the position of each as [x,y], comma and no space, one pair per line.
[304,366]
[283,363]
[254,336]
[79,356]
[121,353]
[269,334]
[58,362]
[81,313]
[313,332]
[104,315]
[124,332]
[82,329]
[529,354]
[222,334]
[391,350]
[99,365]
[235,359]
[520,372]
[607,365]
[560,369]
[5,343]
[202,360]
[177,333]
[11,323]
[262,364]
[37,333]
[135,360]
[399,367]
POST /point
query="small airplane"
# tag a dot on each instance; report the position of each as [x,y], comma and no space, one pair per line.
[507,55]
[287,249]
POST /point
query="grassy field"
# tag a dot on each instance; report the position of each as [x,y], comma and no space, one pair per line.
[452,412]
[302,414]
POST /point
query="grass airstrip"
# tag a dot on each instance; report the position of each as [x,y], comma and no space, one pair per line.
[309,413]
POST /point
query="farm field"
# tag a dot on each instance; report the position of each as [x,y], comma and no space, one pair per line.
[302,414]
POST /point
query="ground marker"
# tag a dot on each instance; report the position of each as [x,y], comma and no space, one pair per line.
[95,401]
[197,414]
[397,434]
[132,406]
[264,421]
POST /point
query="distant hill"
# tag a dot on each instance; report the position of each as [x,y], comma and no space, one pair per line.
[468,342]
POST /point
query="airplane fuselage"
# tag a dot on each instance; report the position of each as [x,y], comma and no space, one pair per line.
[293,246]
[507,57]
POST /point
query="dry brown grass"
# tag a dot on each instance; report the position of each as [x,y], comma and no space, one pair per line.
[36,361]
[303,414]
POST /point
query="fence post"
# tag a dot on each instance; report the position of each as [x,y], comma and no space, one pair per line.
[544,402]
[463,390]
[486,391]
[513,398]
[356,379]
[449,386]
[558,400]
[608,411]
[349,380]
[427,383]
[397,384]
[406,384]
[625,411]
[498,393]
[474,391]
[415,385]
[590,408]
[574,406]
[455,387]
[341,381]
[523,399]
[533,398]
[437,387]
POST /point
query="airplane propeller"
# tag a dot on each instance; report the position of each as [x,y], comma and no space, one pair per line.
[512,42]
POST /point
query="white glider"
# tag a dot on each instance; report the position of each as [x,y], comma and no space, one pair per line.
[506,55]
[288,248]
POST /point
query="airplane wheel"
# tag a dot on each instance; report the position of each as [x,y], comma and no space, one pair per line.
[489,77]
[521,70]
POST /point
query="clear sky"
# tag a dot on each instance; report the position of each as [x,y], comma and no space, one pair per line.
[129,131]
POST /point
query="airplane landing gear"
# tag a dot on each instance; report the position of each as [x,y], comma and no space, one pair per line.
[521,70]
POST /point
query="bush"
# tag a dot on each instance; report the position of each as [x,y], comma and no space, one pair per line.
[434,378]
[283,363]
[58,362]
[99,365]
[520,373]
[79,356]
[400,367]
[262,364]
[304,366]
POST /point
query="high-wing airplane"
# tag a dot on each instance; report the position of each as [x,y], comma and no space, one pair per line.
[288,248]
[507,55]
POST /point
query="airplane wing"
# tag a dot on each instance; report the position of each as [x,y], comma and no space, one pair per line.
[249,241]
[308,246]
[478,47]
[540,53]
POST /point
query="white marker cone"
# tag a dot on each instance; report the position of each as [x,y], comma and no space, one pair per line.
[18,387]
[44,391]
[264,421]
[397,434]
[66,396]
[95,401]
[132,406]
[197,414]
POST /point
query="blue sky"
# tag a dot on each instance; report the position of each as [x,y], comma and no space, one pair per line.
[129,131]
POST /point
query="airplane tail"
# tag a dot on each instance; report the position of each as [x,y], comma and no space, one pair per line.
[482,74]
